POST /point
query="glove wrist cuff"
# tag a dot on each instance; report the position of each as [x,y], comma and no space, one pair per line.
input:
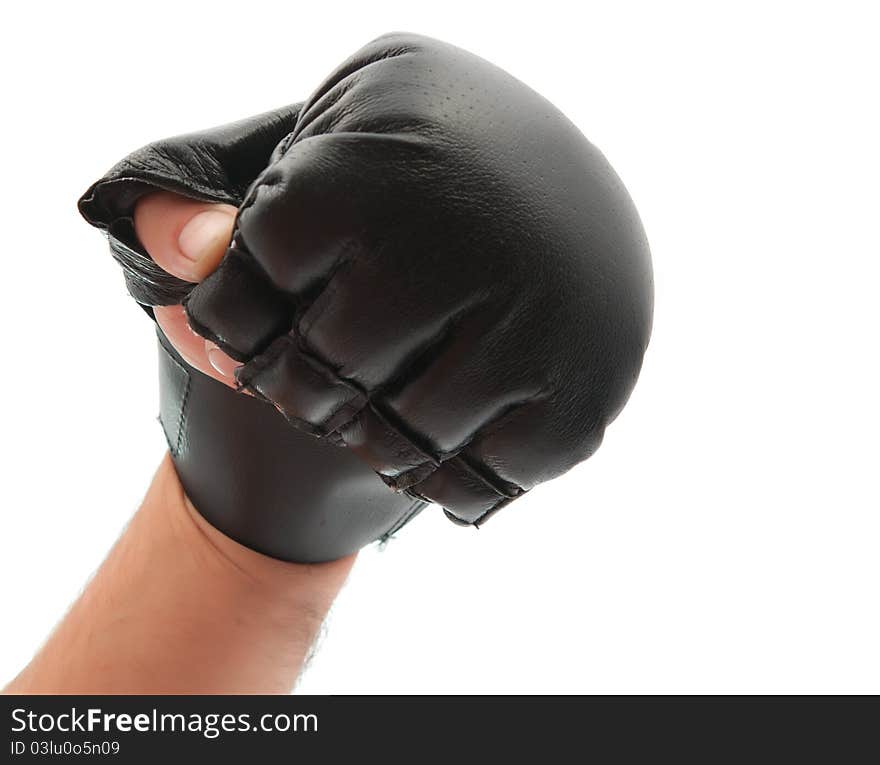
[266,485]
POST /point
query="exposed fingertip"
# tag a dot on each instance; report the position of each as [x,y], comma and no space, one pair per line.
[222,363]
[186,237]
[203,241]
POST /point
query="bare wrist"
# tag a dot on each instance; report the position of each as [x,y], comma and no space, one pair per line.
[177,607]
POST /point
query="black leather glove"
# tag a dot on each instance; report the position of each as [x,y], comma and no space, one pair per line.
[431,266]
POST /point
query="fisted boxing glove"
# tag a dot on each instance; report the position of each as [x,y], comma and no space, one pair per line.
[442,287]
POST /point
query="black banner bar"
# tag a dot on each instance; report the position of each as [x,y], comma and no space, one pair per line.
[393,728]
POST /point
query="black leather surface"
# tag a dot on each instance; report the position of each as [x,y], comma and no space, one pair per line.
[431,266]
[264,483]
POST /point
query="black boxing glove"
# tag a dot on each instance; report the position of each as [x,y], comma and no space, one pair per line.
[431,266]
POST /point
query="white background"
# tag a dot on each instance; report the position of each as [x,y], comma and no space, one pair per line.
[724,539]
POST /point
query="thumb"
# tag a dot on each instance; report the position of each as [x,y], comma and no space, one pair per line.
[185,237]
[188,239]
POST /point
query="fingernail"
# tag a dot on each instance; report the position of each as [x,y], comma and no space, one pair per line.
[202,237]
[220,361]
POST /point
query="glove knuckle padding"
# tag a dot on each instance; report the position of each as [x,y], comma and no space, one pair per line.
[436,269]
